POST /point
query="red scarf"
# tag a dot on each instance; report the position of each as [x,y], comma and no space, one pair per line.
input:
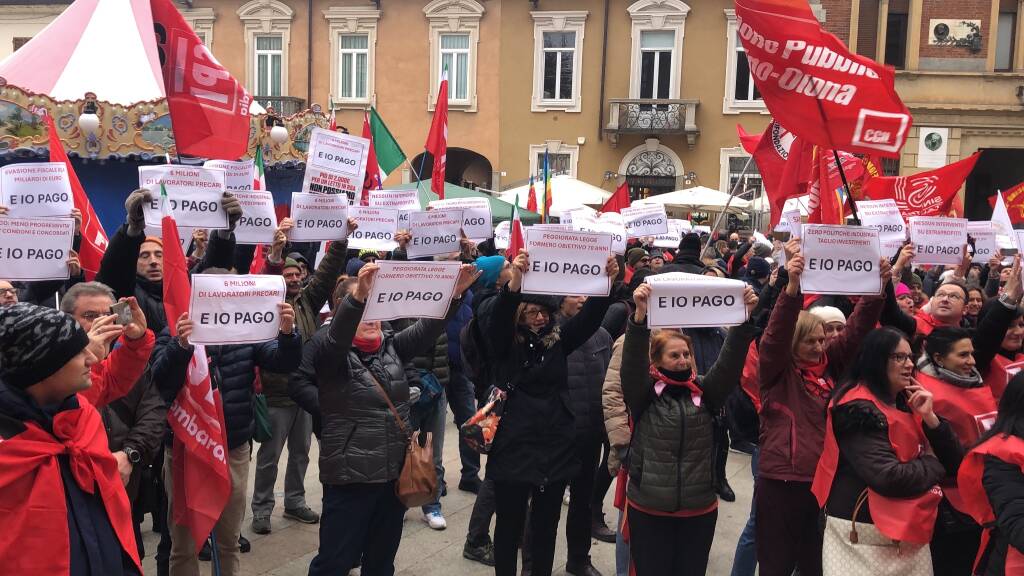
[35,538]
[661,381]
[368,345]
[816,378]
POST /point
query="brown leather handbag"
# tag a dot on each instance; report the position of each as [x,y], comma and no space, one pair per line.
[417,483]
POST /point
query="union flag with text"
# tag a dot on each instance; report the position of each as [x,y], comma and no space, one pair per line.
[931,193]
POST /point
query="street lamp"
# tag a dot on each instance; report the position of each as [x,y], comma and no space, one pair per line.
[88,121]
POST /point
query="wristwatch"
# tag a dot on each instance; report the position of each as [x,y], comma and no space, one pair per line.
[133,455]
[1007,301]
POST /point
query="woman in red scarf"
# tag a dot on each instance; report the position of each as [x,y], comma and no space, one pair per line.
[797,373]
[672,505]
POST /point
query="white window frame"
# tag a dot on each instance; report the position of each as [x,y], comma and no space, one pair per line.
[453,17]
[554,147]
[350,21]
[730,105]
[656,15]
[724,155]
[257,53]
[265,18]
[453,77]
[558,21]
[201,20]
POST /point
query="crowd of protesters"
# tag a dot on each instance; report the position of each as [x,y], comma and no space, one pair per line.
[886,431]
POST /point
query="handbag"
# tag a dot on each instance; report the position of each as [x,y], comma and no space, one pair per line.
[480,429]
[261,414]
[417,483]
[852,550]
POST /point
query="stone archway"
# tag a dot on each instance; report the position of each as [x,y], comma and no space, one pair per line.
[651,168]
[464,168]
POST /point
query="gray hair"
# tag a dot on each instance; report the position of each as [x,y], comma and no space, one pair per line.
[70,299]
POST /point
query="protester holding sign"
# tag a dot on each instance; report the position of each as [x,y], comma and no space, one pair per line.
[673,512]
[355,364]
[797,373]
[994,367]
[533,455]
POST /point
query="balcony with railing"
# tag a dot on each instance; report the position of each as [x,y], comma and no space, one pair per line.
[283,105]
[652,117]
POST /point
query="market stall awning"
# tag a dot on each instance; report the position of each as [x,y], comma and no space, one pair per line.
[566,192]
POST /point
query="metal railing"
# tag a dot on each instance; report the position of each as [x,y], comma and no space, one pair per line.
[652,116]
[283,105]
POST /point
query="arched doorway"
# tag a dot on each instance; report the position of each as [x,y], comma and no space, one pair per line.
[651,169]
[464,168]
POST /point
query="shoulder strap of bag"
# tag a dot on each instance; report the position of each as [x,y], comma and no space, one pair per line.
[394,411]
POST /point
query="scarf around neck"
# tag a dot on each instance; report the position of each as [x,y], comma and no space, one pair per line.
[816,378]
[368,345]
[661,381]
[932,369]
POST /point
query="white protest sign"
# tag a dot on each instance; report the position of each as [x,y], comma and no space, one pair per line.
[404,289]
[567,263]
[1019,238]
[476,215]
[376,230]
[194,193]
[238,175]
[884,216]
[840,260]
[336,163]
[319,217]
[791,222]
[35,248]
[645,220]
[681,300]
[984,236]
[34,190]
[559,227]
[674,235]
[233,309]
[502,235]
[702,229]
[184,235]
[566,213]
[400,199]
[434,232]
[938,240]
[259,220]
[611,225]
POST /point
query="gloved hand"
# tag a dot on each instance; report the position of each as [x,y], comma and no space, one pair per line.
[233,208]
[133,206]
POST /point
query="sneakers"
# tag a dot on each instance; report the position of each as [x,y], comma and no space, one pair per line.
[435,520]
[482,554]
[304,515]
[261,524]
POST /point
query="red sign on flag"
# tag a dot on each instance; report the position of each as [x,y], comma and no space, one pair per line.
[814,86]
[930,193]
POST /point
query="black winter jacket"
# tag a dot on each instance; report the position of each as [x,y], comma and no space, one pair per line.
[534,443]
[138,421]
[361,442]
[587,366]
[1004,485]
[232,370]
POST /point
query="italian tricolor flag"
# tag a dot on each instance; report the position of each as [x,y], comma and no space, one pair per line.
[389,153]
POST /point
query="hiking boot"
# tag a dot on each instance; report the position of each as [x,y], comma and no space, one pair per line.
[261,524]
[600,530]
[482,554]
[304,515]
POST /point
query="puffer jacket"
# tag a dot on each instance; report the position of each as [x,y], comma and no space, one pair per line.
[232,370]
[670,463]
[136,421]
[434,359]
[361,442]
[587,367]
[307,305]
[616,416]
[534,444]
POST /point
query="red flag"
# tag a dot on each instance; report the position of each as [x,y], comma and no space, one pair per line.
[372,179]
[94,238]
[828,195]
[333,126]
[817,88]
[928,193]
[209,108]
[784,163]
[256,267]
[747,140]
[202,482]
[618,200]
[531,200]
[515,237]
[437,139]
[1013,198]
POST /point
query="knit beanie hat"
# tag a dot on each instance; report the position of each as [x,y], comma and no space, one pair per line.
[758,267]
[290,263]
[491,267]
[902,290]
[829,314]
[689,246]
[36,342]
[913,281]
[155,240]
[365,252]
[634,255]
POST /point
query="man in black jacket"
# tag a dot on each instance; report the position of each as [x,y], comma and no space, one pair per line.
[233,371]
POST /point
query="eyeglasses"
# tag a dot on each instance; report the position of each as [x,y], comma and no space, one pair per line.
[949,296]
[8,291]
[92,315]
[899,357]
[535,313]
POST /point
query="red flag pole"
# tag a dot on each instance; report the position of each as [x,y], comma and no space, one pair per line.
[839,166]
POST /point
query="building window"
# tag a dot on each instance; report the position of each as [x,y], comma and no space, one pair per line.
[455,60]
[1005,40]
[355,57]
[19,42]
[562,159]
[557,63]
[268,65]
[741,94]
[201,21]
[353,34]
[657,44]
[896,40]
[454,28]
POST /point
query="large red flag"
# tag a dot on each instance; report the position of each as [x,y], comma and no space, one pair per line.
[202,482]
[618,200]
[930,193]
[1013,198]
[94,238]
[784,163]
[209,108]
[827,203]
[437,139]
[816,87]
[372,179]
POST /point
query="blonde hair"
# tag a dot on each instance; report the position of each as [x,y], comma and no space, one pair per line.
[805,324]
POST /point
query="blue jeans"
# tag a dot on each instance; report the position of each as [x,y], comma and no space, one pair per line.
[430,418]
[463,403]
[621,550]
[744,562]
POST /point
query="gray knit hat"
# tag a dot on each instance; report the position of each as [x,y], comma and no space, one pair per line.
[36,342]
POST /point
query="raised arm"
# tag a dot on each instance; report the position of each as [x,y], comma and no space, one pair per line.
[321,285]
[415,339]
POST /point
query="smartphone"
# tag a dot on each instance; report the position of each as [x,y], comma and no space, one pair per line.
[1007,252]
[123,312]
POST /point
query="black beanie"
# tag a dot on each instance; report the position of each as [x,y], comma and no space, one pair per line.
[689,246]
[36,342]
